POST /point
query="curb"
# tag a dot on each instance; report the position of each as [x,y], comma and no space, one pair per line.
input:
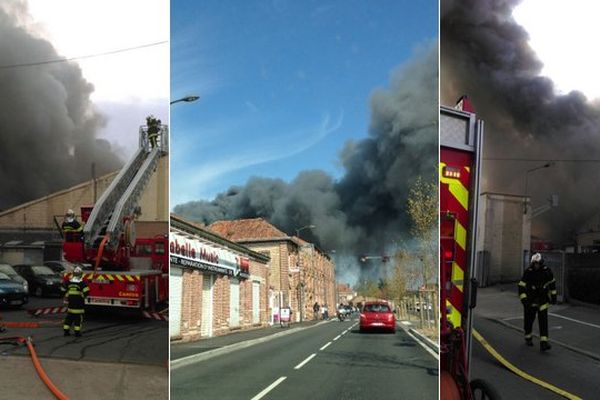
[195,358]
[433,345]
[574,349]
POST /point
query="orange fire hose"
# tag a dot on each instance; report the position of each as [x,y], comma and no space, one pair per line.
[38,367]
[100,252]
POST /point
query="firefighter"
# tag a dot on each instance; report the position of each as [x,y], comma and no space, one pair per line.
[70,223]
[153,129]
[75,291]
[537,290]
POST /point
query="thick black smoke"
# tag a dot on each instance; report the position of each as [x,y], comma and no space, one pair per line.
[485,54]
[365,211]
[47,123]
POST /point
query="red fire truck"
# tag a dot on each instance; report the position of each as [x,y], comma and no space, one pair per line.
[126,271]
[461,139]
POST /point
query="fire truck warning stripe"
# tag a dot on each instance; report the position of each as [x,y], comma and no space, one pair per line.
[521,373]
[456,187]
[120,277]
[460,235]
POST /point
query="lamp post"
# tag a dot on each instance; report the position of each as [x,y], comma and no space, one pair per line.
[187,99]
[547,165]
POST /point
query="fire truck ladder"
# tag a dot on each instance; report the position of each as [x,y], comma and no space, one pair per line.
[122,196]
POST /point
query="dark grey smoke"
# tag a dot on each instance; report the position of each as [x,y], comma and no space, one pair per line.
[365,211]
[47,123]
[485,54]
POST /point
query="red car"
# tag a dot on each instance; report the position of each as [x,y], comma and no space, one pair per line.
[377,315]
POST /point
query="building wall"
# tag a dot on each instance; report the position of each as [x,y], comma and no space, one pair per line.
[40,213]
[504,235]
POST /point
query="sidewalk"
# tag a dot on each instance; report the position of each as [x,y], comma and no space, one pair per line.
[82,380]
[573,326]
[184,349]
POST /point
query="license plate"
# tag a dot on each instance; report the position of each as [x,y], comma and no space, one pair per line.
[15,302]
[101,281]
[377,324]
[100,301]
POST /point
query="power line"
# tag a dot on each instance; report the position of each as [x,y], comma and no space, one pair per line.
[60,60]
[541,159]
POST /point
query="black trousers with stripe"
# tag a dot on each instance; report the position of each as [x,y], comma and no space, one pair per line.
[73,319]
[530,313]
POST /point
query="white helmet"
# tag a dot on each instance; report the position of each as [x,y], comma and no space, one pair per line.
[77,271]
[536,258]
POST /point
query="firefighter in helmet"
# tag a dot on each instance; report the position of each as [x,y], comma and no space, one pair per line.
[537,290]
[153,125]
[75,291]
[70,223]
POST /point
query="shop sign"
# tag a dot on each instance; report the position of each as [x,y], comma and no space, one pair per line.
[192,253]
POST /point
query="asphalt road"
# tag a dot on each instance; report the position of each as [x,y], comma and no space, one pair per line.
[315,364]
[563,368]
[117,336]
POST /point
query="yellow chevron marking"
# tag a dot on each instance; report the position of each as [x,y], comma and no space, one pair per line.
[460,235]
[456,188]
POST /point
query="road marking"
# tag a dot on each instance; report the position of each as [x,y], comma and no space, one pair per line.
[336,338]
[269,388]
[519,372]
[575,320]
[324,347]
[423,345]
[305,361]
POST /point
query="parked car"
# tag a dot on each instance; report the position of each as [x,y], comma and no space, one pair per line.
[12,293]
[377,315]
[60,267]
[42,280]
[12,274]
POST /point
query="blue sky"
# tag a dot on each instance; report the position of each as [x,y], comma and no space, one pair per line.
[283,84]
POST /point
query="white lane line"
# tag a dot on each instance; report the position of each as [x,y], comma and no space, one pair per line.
[336,338]
[305,361]
[575,320]
[269,388]
[324,347]
[423,345]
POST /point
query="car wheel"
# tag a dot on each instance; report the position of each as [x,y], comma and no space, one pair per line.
[38,291]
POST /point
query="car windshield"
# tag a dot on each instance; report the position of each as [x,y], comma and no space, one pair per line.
[8,270]
[41,270]
[4,277]
[377,308]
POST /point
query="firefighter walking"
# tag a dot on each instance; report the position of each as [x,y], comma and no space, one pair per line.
[537,290]
[75,290]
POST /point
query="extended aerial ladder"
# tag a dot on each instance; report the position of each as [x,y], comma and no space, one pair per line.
[112,214]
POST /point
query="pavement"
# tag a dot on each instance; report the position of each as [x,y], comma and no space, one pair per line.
[120,354]
[571,365]
[330,360]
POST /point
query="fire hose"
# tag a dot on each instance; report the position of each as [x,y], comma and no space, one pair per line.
[36,363]
[521,373]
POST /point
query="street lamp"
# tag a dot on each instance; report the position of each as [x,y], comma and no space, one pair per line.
[547,165]
[304,227]
[187,99]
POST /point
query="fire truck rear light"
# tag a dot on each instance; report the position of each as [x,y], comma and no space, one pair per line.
[448,255]
[451,172]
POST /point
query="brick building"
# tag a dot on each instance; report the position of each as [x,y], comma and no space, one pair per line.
[300,274]
[216,286]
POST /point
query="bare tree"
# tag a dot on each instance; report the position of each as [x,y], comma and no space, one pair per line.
[423,210]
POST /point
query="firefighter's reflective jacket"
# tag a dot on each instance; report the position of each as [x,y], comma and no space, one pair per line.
[72,226]
[76,290]
[537,287]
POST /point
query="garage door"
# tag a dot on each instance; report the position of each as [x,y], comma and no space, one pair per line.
[175,289]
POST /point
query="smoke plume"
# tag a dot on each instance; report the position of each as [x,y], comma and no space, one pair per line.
[365,211]
[485,54]
[47,123]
